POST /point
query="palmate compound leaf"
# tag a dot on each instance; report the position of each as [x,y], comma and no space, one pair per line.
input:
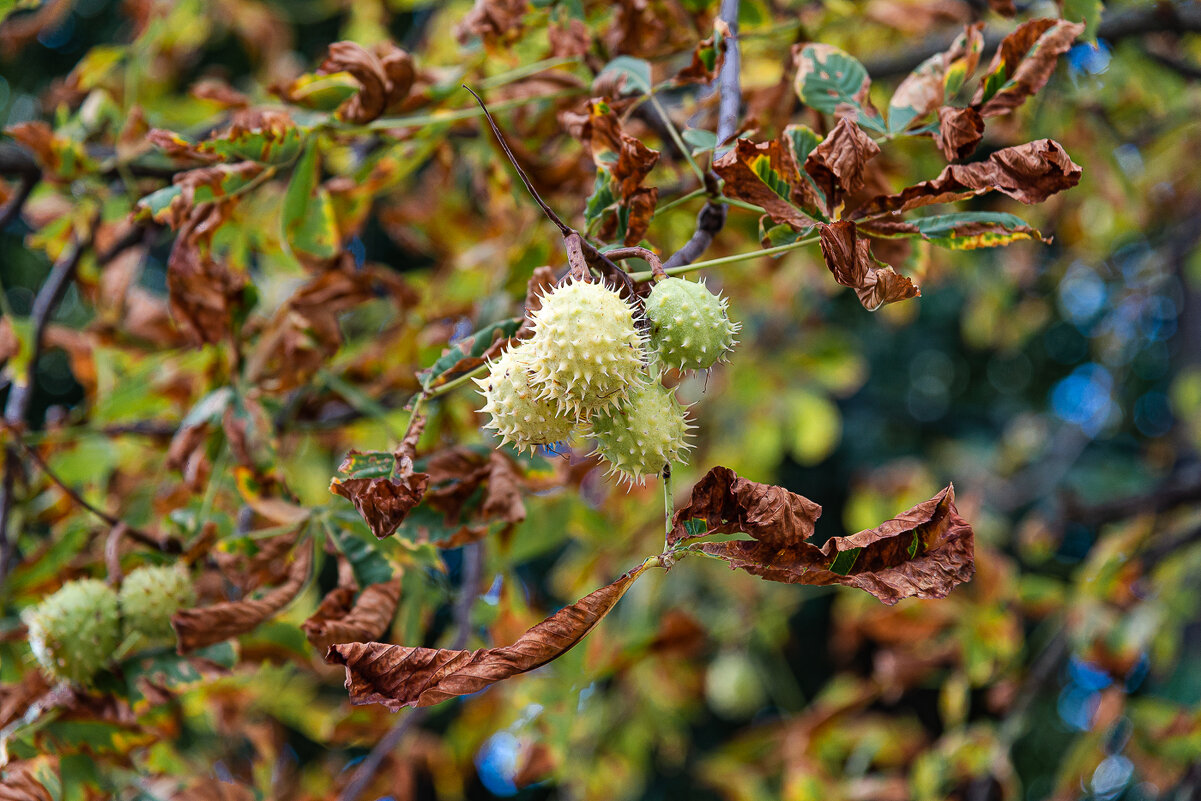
[398,676]
[922,553]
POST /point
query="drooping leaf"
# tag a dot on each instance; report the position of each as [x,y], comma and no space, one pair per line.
[385,77]
[1023,64]
[836,165]
[383,502]
[153,678]
[207,297]
[765,174]
[1030,173]
[307,217]
[367,618]
[207,625]
[959,131]
[834,82]
[849,258]
[398,676]
[729,504]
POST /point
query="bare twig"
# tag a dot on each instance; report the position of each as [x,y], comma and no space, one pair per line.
[473,568]
[650,256]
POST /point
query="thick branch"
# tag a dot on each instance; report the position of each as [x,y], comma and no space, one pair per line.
[1116,25]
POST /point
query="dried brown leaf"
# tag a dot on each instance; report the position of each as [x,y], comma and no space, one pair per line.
[20,781]
[743,167]
[959,131]
[1024,63]
[502,500]
[17,697]
[386,76]
[707,60]
[384,503]
[729,503]
[492,21]
[203,292]
[207,625]
[923,553]
[849,258]
[1005,8]
[398,676]
[1030,173]
[569,40]
[837,163]
[337,620]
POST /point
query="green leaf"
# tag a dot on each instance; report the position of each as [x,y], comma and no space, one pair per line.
[828,77]
[309,226]
[604,195]
[361,549]
[1086,11]
[969,230]
[699,139]
[167,669]
[158,203]
[468,353]
[367,464]
[323,92]
[636,71]
[267,146]
[209,409]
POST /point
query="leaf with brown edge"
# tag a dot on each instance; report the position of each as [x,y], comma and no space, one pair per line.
[367,618]
[206,625]
[837,163]
[398,675]
[707,58]
[962,230]
[25,780]
[935,80]
[766,175]
[1023,64]
[849,258]
[1030,173]
[203,292]
[729,504]
[959,131]
[922,553]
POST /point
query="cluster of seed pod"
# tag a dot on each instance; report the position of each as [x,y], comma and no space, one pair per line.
[589,366]
[74,632]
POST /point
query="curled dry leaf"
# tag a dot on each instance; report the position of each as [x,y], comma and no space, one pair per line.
[17,697]
[1023,64]
[959,131]
[385,77]
[936,79]
[492,21]
[837,163]
[196,628]
[23,780]
[849,258]
[922,553]
[707,59]
[202,290]
[340,618]
[731,504]
[383,502]
[398,676]
[1030,173]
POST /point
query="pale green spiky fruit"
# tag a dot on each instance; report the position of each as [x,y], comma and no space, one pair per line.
[150,596]
[650,429]
[586,352]
[74,632]
[519,413]
[690,329]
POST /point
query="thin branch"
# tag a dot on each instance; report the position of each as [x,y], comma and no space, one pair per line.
[473,569]
[13,209]
[1117,24]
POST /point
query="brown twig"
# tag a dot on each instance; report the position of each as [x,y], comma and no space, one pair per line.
[473,568]
[617,254]
[13,209]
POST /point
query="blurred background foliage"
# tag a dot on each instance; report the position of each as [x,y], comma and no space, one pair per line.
[1058,386]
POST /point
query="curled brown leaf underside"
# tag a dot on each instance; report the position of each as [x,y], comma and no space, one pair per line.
[1030,173]
[384,503]
[838,162]
[206,625]
[398,676]
[339,619]
[922,553]
[849,258]
[959,131]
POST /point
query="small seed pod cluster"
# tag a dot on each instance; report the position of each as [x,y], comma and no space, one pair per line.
[589,367]
[74,632]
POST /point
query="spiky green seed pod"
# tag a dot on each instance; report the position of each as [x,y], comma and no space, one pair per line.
[74,632]
[646,432]
[690,329]
[519,414]
[150,596]
[586,352]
